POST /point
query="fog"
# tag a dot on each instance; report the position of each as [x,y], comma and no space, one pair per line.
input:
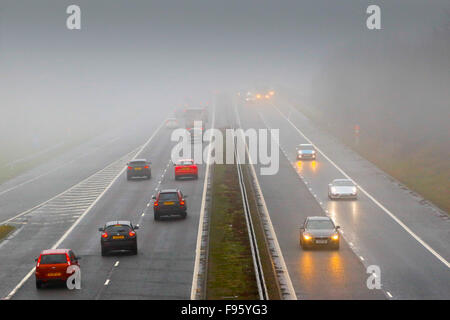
[150,56]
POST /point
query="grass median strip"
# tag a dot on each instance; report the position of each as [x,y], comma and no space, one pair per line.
[5,230]
[230,266]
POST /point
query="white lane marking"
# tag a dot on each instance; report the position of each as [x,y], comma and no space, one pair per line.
[116,264]
[361,257]
[66,234]
[416,237]
[106,282]
[201,219]
[389,294]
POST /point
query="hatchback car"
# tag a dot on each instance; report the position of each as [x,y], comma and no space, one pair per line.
[306,152]
[319,231]
[185,168]
[51,266]
[169,202]
[139,168]
[118,236]
[342,189]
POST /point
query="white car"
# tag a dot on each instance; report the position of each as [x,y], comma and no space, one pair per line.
[306,151]
[342,189]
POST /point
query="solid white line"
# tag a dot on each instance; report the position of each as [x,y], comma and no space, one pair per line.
[202,216]
[66,234]
[418,239]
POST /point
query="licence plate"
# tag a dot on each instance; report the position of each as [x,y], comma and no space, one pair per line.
[169,203]
[185,169]
[118,237]
[137,169]
[54,274]
[321,241]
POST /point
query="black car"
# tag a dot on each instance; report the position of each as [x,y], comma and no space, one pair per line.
[319,232]
[118,236]
[139,168]
[169,202]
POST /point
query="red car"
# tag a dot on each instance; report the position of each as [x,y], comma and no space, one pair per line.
[186,168]
[52,266]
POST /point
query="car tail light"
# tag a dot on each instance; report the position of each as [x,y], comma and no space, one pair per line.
[146,167]
[132,233]
[156,203]
[104,235]
[130,168]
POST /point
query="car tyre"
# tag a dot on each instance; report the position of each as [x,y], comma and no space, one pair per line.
[104,252]
[38,284]
[156,216]
[135,250]
[183,215]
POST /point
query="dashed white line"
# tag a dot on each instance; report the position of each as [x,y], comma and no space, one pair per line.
[116,264]
[106,282]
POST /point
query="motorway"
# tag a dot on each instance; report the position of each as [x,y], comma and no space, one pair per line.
[162,269]
[412,254]
[387,226]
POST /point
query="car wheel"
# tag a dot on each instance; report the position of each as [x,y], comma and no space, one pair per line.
[104,252]
[176,178]
[38,284]
[128,178]
[183,215]
[196,177]
[156,216]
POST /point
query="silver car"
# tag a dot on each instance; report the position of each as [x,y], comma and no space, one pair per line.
[342,189]
[306,151]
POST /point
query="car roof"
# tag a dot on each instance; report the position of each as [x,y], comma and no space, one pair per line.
[123,222]
[318,218]
[138,160]
[335,180]
[55,251]
[168,190]
[305,145]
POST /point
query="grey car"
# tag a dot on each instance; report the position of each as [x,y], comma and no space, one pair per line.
[319,231]
[306,151]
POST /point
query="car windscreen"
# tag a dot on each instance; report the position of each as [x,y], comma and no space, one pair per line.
[168,196]
[118,228]
[138,164]
[53,259]
[320,225]
[343,183]
[306,147]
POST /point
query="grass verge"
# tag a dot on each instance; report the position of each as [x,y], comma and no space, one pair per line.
[5,230]
[230,272]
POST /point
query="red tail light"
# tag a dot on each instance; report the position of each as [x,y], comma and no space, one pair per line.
[146,167]
[132,233]
[104,235]
[182,202]
[130,168]
[156,204]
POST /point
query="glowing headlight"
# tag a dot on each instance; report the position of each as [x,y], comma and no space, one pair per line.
[335,236]
[354,189]
[333,190]
[313,152]
[306,237]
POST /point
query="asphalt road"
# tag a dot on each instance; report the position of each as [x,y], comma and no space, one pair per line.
[162,269]
[371,236]
[60,173]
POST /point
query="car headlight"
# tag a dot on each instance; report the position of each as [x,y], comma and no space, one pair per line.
[335,236]
[333,190]
[306,237]
[354,190]
[313,152]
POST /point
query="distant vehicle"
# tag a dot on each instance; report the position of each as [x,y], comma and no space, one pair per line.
[319,231]
[185,168]
[172,123]
[196,135]
[118,236]
[191,115]
[169,202]
[258,97]
[342,189]
[306,151]
[51,266]
[139,168]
